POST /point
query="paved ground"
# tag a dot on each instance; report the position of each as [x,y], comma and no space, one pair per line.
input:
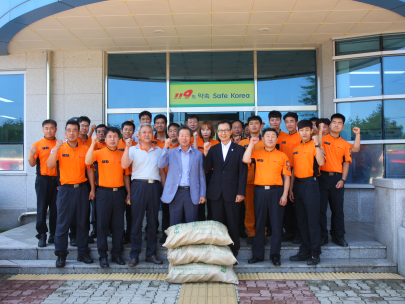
[159,292]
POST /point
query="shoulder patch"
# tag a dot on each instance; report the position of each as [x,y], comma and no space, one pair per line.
[121,149]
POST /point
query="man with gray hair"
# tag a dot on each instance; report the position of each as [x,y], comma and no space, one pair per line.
[146,189]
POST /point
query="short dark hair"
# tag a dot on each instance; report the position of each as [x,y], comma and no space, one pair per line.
[112,129]
[49,121]
[191,116]
[72,122]
[316,119]
[245,125]
[255,117]
[275,114]
[237,121]
[145,113]
[83,118]
[304,124]
[225,121]
[184,128]
[160,116]
[101,126]
[325,121]
[128,123]
[270,130]
[291,114]
[338,115]
[173,124]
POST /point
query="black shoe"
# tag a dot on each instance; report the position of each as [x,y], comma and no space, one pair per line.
[124,240]
[162,240]
[90,240]
[61,261]
[73,242]
[297,239]
[339,240]
[51,239]
[133,262]
[93,233]
[153,259]
[85,259]
[104,262]
[250,240]
[243,235]
[254,260]
[324,240]
[276,260]
[118,260]
[314,260]
[287,237]
[300,257]
[42,240]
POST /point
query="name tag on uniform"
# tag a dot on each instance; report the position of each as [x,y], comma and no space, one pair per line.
[154,142]
[121,149]
[260,160]
[45,148]
[295,152]
[200,148]
[283,142]
[105,161]
[65,155]
[326,143]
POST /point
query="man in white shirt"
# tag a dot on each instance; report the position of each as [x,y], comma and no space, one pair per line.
[146,190]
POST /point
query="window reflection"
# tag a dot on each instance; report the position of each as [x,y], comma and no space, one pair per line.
[394,119]
[394,75]
[358,77]
[286,78]
[393,42]
[301,116]
[356,46]
[11,157]
[366,115]
[395,161]
[366,165]
[116,120]
[136,80]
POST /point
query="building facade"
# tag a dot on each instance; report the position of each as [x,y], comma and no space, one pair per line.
[111,60]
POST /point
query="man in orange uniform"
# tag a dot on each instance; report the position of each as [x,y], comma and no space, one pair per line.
[308,156]
[287,142]
[237,128]
[271,191]
[84,123]
[73,194]
[332,180]
[160,124]
[275,123]
[255,126]
[101,137]
[112,194]
[193,123]
[46,182]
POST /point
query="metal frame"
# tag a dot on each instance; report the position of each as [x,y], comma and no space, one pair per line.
[24,171]
[255,79]
[48,84]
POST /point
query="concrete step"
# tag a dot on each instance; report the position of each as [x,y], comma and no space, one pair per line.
[356,250]
[326,265]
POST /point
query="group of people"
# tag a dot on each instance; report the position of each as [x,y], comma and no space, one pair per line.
[267,182]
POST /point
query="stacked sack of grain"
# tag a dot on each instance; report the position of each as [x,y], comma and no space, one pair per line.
[198,252]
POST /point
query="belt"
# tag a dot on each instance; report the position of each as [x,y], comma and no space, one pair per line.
[184,188]
[268,187]
[49,177]
[111,188]
[330,173]
[74,185]
[149,181]
[306,179]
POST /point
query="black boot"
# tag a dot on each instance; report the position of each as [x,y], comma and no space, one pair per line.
[42,240]
[314,259]
[51,239]
[93,233]
[61,261]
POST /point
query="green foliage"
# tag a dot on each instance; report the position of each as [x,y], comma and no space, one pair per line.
[12,131]
[309,96]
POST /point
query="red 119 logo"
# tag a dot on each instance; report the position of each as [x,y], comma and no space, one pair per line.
[186,94]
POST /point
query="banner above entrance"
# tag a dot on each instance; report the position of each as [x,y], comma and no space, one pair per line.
[211,94]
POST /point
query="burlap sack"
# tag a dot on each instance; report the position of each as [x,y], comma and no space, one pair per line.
[208,254]
[200,272]
[205,232]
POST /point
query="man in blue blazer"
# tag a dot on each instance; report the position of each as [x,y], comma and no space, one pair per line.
[227,186]
[185,183]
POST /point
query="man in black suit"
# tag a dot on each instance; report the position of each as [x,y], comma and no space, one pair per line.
[227,186]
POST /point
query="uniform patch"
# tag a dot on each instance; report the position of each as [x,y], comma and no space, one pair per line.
[65,155]
[288,163]
[154,142]
[260,160]
[283,142]
[45,148]
[289,168]
[121,149]
[327,143]
[105,161]
[200,148]
[295,152]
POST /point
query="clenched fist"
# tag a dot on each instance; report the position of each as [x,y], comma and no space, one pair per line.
[94,139]
[168,141]
[33,149]
[129,142]
[356,130]
[254,140]
[59,144]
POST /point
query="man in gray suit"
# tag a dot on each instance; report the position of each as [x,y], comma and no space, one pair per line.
[185,183]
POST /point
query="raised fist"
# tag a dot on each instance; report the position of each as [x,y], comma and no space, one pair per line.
[321,126]
[92,128]
[33,149]
[168,141]
[356,130]
[237,139]
[315,138]
[195,135]
[129,142]
[59,143]
[94,139]
[254,140]
[207,146]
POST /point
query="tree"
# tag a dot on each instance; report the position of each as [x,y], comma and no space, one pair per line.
[309,96]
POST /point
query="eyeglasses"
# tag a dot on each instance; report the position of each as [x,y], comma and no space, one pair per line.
[224,131]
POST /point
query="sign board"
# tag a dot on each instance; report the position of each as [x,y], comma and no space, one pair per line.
[211,94]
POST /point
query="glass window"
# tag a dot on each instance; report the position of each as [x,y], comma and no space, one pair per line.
[301,116]
[394,75]
[395,161]
[115,120]
[286,78]
[394,42]
[12,122]
[366,165]
[358,77]
[356,46]
[136,80]
[394,119]
[366,115]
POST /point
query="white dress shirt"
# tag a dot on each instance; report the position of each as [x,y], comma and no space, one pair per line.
[225,149]
[145,163]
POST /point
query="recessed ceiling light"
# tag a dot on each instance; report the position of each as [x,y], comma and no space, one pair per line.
[159,32]
[265,29]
